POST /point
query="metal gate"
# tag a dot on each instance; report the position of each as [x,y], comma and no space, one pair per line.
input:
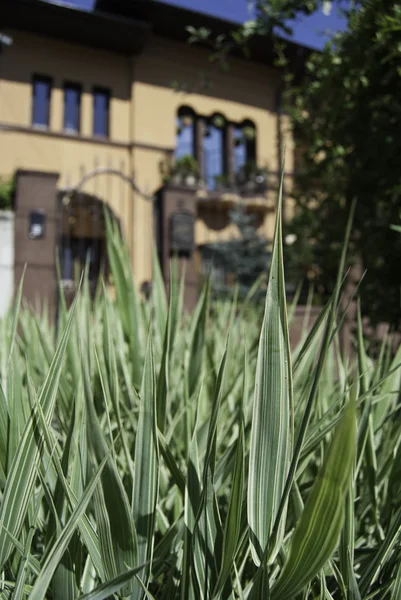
[81,238]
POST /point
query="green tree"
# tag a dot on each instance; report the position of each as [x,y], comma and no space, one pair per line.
[347,120]
[244,258]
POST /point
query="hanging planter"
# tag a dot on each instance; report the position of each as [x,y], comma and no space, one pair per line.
[218,121]
[187,119]
[249,132]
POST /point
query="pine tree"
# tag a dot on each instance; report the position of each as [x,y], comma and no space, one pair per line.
[243,258]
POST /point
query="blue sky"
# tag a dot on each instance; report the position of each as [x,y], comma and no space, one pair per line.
[311,31]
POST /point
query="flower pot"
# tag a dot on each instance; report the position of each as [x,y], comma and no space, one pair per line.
[190,180]
[177,179]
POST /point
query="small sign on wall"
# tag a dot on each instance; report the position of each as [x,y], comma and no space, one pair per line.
[37,225]
[182,235]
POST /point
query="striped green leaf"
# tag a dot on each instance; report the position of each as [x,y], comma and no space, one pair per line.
[22,474]
[159,299]
[122,526]
[146,480]
[59,547]
[318,530]
[197,343]
[233,520]
[126,296]
[271,433]
[105,590]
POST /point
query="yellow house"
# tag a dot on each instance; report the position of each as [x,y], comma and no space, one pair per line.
[90,114]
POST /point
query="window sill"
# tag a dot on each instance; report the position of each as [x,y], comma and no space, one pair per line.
[71,132]
[40,127]
[65,134]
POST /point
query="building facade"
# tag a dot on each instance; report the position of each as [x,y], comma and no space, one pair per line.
[105,102]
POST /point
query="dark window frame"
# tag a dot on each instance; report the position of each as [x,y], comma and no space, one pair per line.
[228,158]
[98,89]
[181,113]
[77,87]
[40,78]
[225,158]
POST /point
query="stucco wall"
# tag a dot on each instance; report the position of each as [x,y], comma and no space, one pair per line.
[142,121]
[6,259]
[31,54]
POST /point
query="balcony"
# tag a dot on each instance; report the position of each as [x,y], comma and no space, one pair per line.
[254,194]
[226,197]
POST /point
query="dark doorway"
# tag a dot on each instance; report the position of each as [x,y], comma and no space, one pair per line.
[82,241]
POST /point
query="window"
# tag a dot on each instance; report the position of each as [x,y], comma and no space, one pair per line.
[244,147]
[72,107]
[185,137]
[101,111]
[225,152]
[239,150]
[213,152]
[41,89]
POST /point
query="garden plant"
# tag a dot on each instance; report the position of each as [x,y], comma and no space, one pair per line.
[147,453]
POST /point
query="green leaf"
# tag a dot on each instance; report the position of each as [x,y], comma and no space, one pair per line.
[317,533]
[122,526]
[59,547]
[197,336]
[272,430]
[22,474]
[159,299]
[126,296]
[233,520]
[146,482]
[104,591]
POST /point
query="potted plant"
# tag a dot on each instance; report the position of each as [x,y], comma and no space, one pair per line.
[184,170]
[261,177]
[252,179]
[187,167]
[246,173]
[221,182]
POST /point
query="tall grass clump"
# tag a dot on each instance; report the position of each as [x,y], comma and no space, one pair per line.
[145,453]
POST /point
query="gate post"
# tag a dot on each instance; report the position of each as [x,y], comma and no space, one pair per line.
[176,224]
[36,217]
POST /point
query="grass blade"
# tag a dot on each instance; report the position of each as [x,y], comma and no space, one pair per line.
[21,477]
[146,480]
[43,580]
[318,530]
[271,431]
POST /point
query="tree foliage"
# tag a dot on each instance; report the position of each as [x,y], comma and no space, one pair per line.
[346,117]
[347,121]
[244,258]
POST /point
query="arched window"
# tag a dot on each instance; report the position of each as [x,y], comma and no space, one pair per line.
[244,147]
[214,159]
[185,136]
[225,151]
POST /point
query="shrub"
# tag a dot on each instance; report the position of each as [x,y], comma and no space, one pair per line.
[7,191]
[149,454]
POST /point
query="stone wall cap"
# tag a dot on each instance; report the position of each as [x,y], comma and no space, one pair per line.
[33,173]
[7,215]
